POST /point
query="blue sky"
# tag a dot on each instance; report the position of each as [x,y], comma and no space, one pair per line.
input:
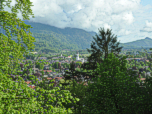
[146,2]
[130,20]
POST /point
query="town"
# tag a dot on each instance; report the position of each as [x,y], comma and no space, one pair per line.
[55,68]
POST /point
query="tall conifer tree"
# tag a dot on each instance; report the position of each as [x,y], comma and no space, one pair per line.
[104,43]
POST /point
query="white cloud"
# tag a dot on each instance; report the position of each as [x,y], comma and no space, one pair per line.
[125,17]
[128,17]
[124,32]
[106,26]
[148,27]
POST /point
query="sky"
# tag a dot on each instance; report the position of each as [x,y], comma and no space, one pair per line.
[130,20]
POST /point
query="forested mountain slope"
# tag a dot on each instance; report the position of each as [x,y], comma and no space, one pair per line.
[52,39]
[146,43]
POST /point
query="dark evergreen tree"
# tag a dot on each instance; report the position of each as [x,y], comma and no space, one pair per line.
[100,48]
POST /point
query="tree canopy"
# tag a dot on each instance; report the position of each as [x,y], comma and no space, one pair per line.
[16,96]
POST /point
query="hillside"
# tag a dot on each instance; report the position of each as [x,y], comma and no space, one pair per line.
[68,38]
[53,39]
[146,43]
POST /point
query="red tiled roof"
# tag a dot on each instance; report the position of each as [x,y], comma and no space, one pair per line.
[27,82]
[32,87]
[47,70]
[142,79]
[59,78]
[49,78]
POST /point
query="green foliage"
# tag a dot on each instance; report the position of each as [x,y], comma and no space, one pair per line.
[30,104]
[116,94]
[17,97]
[78,90]
[42,72]
[40,65]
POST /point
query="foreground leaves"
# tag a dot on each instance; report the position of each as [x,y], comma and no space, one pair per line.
[116,91]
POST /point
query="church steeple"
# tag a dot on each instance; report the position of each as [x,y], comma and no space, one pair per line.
[61,54]
[77,58]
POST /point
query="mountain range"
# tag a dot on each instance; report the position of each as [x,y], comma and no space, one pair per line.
[145,43]
[50,38]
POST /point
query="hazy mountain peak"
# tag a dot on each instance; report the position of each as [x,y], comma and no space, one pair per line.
[148,38]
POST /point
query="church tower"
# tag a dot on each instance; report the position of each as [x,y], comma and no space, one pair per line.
[77,58]
[61,54]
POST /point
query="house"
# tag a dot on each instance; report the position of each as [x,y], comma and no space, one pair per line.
[69,56]
[27,82]
[66,61]
[60,73]
[143,80]
[33,52]
[56,61]
[57,70]
[32,86]
[49,78]
[53,72]
[58,78]
[54,57]
[44,58]
[46,67]
[45,76]
[35,69]
[147,60]
[49,71]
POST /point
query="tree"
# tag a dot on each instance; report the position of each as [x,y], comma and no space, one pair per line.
[17,97]
[116,91]
[50,68]
[53,69]
[103,43]
[9,19]
[57,65]
[41,66]
[42,72]
[22,66]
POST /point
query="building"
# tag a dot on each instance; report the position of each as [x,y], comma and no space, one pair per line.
[44,58]
[79,59]
[69,57]
[33,52]
[61,56]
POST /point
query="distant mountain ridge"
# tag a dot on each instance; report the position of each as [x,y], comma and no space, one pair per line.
[146,43]
[148,38]
[77,38]
[56,38]
[51,38]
